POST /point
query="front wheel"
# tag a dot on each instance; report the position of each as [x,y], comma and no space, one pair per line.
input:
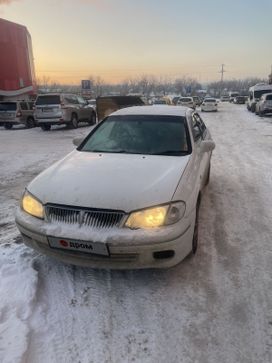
[8,126]
[46,127]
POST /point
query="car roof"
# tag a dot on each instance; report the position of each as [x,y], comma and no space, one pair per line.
[153,110]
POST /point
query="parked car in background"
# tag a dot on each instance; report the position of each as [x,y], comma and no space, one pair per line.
[209,104]
[162,101]
[62,109]
[264,106]
[240,100]
[128,196]
[197,100]
[108,104]
[16,113]
[186,102]
[255,93]
[175,100]
[232,95]
[224,98]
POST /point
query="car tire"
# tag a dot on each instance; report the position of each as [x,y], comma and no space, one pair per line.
[195,235]
[30,122]
[45,127]
[8,126]
[92,119]
[74,121]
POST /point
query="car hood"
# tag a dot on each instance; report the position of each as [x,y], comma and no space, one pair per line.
[110,181]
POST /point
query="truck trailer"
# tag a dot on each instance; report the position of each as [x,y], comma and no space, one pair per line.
[17,72]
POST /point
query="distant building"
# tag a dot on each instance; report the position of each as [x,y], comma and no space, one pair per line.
[17,73]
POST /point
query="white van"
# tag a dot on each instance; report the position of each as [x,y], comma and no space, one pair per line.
[255,93]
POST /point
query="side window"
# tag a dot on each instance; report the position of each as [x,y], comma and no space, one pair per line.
[201,124]
[75,99]
[70,99]
[23,106]
[81,100]
[30,105]
[196,129]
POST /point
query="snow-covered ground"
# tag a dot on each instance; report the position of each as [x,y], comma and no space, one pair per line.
[213,308]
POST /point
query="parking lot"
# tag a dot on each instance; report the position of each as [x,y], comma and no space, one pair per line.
[214,307]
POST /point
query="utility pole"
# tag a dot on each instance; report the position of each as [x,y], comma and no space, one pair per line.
[222,77]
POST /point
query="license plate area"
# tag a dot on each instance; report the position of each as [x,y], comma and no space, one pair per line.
[88,247]
[47,109]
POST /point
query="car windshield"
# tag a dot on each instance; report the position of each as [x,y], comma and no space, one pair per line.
[185,100]
[159,102]
[210,100]
[140,134]
[269,98]
[8,106]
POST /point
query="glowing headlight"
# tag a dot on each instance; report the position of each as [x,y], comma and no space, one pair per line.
[157,216]
[32,206]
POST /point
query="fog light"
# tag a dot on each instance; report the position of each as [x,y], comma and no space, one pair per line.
[161,255]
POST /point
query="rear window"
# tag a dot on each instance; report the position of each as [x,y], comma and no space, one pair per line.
[185,100]
[159,102]
[48,100]
[8,106]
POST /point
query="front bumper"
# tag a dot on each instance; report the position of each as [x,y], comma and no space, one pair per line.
[129,249]
[13,121]
[208,108]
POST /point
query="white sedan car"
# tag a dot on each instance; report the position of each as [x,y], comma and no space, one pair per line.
[209,104]
[128,196]
[187,102]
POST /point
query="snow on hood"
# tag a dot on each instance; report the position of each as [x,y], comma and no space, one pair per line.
[110,181]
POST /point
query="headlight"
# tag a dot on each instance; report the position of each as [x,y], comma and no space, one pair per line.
[157,216]
[32,206]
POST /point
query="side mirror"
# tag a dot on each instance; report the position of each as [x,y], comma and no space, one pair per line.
[207,146]
[78,140]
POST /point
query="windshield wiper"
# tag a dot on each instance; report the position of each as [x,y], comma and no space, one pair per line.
[109,151]
[171,152]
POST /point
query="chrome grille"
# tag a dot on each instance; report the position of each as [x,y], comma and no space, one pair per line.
[84,217]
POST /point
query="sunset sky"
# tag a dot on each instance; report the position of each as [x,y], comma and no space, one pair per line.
[120,39]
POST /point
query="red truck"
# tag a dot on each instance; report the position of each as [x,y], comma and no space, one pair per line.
[17,73]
